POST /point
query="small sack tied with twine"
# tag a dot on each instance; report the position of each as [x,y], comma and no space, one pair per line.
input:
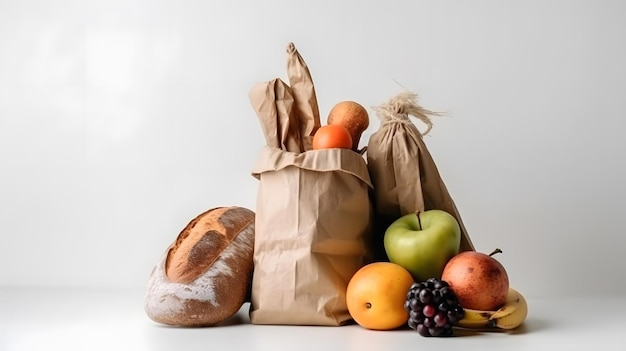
[402,170]
[313,210]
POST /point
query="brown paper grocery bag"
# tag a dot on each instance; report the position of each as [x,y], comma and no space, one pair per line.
[313,216]
[313,221]
[403,172]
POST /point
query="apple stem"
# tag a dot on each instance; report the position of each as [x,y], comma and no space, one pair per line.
[419,221]
[496,251]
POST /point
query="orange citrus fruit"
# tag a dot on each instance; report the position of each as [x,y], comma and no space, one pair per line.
[332,136]
[376,294]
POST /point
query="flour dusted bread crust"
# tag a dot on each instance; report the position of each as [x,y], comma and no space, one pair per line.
[205,275]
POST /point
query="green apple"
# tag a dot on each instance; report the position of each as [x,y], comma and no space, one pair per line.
[423,242]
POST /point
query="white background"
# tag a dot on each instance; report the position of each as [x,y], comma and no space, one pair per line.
[122,120]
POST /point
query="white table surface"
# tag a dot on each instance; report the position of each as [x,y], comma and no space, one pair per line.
[110,319]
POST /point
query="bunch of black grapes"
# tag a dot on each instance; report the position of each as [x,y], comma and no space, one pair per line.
[433,308]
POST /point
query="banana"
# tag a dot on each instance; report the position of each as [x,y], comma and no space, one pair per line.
[475,319]
[511,315]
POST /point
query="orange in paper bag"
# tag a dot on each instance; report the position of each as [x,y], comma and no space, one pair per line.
[332,136]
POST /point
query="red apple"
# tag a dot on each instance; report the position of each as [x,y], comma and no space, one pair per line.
[479,280]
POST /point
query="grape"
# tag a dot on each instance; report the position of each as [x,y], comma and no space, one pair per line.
[414,304]
[440,319]
[452,317]
[429,310]
[416,316]
[460,312]
[436,296]
[425,296]
[451,299]
[433,308]
[443,307]
[422,330]
[439,285]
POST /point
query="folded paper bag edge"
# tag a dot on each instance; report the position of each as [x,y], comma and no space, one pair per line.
[326,160]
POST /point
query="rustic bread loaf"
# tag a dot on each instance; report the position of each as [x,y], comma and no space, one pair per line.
[205,275]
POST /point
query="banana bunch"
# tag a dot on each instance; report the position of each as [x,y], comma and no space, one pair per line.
[510,316]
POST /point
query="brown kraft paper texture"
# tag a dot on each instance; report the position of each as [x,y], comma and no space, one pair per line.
[403,172]
[313,210]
